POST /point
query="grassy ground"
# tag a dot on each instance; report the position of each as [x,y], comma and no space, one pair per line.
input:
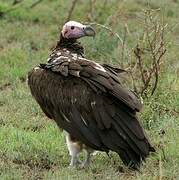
[31,146]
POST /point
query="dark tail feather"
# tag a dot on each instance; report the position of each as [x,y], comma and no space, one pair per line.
[130,159]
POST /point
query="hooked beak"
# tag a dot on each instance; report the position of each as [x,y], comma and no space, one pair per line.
[89,31]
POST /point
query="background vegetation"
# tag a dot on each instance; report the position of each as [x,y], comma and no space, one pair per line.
[31,146]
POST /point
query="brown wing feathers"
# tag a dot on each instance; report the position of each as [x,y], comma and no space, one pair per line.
[121,131]
[103,116]
[86,69]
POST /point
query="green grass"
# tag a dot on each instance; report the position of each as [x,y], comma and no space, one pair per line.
[31,146]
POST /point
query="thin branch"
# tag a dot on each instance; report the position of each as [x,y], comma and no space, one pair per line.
[157,73]
[123,44]
[16,2]
[109,29]
[71,10]
[137,52]
[91,10]
[35,3]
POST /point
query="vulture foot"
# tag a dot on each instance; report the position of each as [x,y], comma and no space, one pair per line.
[86,162]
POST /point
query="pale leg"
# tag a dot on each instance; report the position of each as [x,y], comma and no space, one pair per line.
[74,150]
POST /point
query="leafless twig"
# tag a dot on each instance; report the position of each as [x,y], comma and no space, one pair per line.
[35,3]
[109,29]
[124,43]
[149,53]
[138,53]
[91,13]
[16,2]
[71,10]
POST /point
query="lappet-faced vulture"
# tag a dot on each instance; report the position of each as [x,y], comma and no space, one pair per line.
[87,100]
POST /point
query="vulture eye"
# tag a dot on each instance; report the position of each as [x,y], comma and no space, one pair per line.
[72,27]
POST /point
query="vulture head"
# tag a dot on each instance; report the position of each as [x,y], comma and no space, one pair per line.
[76,30]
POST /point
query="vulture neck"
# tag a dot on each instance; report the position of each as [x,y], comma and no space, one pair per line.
[71,44]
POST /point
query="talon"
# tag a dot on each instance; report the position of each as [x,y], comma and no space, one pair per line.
[84,165]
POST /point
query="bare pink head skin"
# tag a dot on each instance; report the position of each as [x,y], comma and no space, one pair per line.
[75,30]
